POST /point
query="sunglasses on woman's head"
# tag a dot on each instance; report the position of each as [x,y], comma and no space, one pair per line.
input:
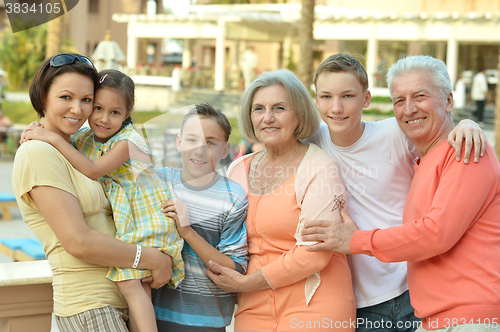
[68,59]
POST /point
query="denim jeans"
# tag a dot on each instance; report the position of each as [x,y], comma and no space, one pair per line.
[396,314]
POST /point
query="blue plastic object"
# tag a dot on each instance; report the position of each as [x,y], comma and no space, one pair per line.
[30,246]
[7,197]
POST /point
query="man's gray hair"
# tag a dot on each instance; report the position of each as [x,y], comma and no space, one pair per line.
[419,63]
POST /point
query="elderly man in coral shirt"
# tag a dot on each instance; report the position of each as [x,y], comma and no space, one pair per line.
[451,224]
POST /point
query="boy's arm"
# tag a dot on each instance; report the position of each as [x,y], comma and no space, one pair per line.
[172,208]
[471,132]
[233,239]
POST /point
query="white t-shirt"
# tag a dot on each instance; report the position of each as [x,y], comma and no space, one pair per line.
[377,171]
[459,94]
[479,87]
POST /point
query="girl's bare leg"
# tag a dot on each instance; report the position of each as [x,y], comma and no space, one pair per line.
[141,311]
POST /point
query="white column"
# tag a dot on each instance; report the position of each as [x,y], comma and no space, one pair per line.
[187,54]
[220,56]
[452,58]
[176,79]
[371,59]
[131,47]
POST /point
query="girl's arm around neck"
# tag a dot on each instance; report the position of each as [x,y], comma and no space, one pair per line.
[113,159]
[118,154]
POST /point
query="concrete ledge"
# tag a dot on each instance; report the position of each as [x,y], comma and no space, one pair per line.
[25,273]
[26,302]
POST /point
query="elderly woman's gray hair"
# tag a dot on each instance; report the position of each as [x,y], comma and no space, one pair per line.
[300,98]
[425,63]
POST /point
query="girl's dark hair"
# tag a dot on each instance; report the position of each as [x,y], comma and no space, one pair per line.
[46,74]
[205,110]
[116,80]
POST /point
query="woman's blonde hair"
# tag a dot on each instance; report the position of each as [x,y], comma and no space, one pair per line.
[300,98]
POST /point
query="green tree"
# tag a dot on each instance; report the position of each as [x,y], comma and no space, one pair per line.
[21,54]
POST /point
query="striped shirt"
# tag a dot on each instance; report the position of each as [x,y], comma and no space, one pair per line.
[217,212]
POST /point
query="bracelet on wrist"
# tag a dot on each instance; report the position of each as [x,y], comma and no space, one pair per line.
[137,257]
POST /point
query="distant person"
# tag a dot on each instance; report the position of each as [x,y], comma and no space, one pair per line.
[248,64]
[480,93]
[4,124]
[246,147]
[3,83]
[459,94]
[213,227]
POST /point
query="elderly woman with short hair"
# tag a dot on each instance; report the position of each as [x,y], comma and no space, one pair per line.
[287,183]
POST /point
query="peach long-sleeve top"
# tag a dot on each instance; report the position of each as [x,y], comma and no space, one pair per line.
[315,192]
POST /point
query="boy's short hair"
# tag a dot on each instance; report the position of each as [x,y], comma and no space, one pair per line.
[205,110]
[342,63]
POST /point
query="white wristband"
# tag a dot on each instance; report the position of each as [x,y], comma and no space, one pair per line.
[137,257]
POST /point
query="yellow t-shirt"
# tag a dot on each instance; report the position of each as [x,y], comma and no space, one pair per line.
[78,286]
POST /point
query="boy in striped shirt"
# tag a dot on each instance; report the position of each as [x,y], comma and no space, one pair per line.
[210,212]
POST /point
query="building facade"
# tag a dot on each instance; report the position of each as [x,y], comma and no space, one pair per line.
[463,33]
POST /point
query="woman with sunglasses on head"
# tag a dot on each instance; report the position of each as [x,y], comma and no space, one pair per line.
[69,213]
[113,152]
